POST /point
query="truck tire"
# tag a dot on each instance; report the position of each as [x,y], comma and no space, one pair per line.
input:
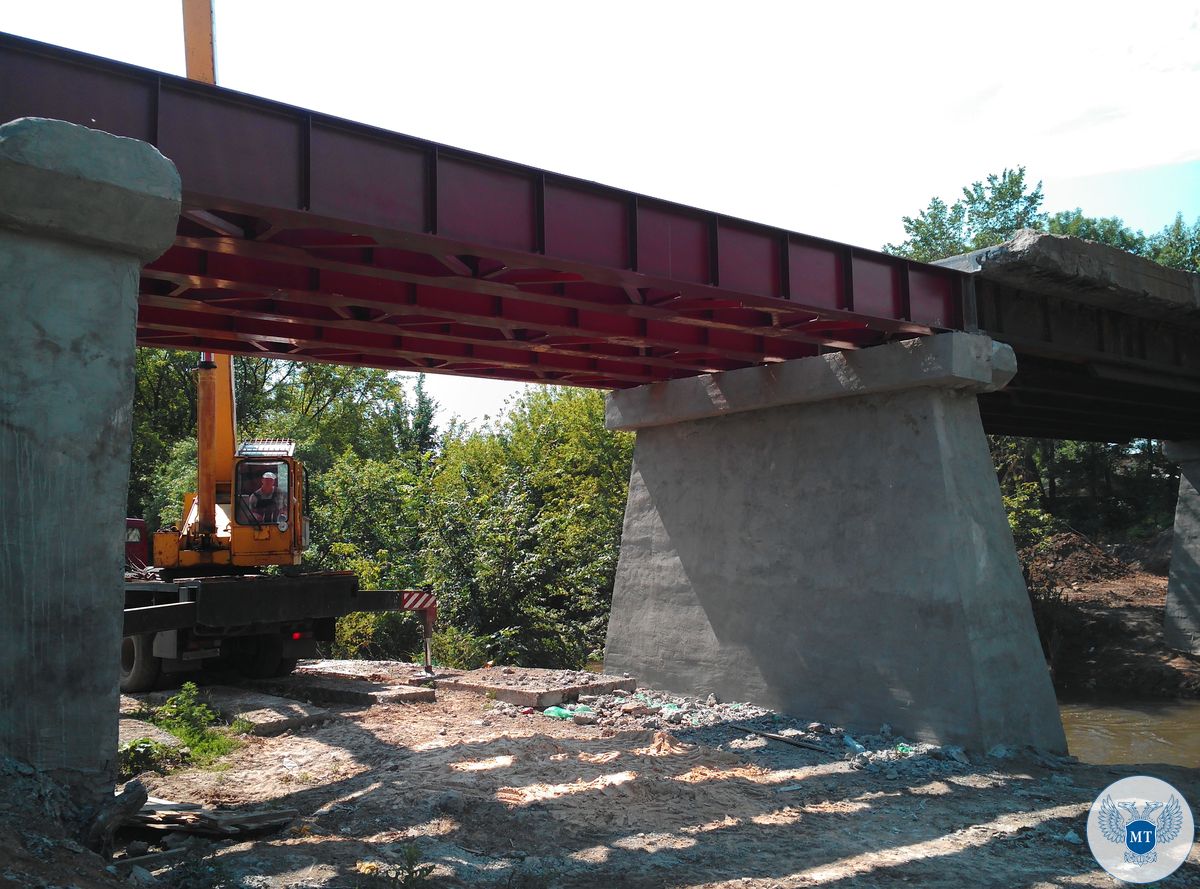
[140,669]
[286,666]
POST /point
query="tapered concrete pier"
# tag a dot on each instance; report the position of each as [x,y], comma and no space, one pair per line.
[80,212]
[826,536]
[1182,627]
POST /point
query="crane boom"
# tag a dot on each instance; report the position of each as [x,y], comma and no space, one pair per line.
[215,406]
[198,45]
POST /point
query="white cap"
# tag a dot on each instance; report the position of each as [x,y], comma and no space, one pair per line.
[268,475]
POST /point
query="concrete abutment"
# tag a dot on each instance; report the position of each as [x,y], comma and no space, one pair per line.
[827,537]
[1182,621]
[80,212]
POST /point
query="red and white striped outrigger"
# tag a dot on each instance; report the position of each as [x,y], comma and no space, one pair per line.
[404,600]
[426,603]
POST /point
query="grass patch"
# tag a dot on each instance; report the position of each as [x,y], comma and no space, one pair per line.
[192,721]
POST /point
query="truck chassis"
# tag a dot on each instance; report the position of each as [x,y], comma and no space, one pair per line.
[257,625]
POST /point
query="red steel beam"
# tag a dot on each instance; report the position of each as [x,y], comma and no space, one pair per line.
[315,237]
[427,328]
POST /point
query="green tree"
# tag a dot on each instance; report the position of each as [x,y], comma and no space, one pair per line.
[164,413]
[523,525]
[366,516]
[1109,230]
[1177,245]
[989,212]
[998,210]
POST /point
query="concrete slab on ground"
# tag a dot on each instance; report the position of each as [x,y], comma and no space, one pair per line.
[268,714]
[388,672]
[338,690]
[133,704]
[531,687]
[132,729]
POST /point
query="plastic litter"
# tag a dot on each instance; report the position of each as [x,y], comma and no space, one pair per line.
[853,744]
[558,713]
[904,748]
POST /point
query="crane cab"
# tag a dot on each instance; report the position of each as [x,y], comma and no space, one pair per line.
[259,515]
[267,524]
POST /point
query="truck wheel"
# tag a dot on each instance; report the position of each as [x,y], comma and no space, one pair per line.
[140,669]
[286,666]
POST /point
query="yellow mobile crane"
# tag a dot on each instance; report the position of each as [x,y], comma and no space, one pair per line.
[200,598]
[247,510]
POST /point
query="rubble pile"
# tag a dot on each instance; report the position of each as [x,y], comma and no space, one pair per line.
[1069,559]
[763,734]
[42,833]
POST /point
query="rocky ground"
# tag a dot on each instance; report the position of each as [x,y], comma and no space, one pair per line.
[647,790]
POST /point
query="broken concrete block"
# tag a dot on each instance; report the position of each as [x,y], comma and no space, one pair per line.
[269,715]
[336,690]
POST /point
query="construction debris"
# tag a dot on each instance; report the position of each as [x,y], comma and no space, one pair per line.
[386,672]
[113,814]
[149,862]
[161,814]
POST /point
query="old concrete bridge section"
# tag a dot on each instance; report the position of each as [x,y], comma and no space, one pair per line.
[813,520]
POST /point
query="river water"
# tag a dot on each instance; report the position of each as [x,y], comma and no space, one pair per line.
[1133,733]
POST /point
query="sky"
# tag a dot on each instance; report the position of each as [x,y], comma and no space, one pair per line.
[834,120]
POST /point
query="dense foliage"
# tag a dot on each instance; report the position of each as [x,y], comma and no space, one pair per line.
[516,526]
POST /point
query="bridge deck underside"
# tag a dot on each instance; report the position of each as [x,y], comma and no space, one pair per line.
[311,238]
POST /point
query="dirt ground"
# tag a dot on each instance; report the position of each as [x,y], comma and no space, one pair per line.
[653,791]
[1107,617]
[528,801]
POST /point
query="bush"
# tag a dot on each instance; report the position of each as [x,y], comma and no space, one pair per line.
[188,718]
[1029,523]
[380,636]
[538,645]
[459,649]
[147,755]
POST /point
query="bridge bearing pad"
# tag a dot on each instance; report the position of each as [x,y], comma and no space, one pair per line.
[826,537]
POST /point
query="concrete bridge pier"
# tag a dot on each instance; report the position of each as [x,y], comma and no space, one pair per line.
[1182,624]
[826,536]
[80,212]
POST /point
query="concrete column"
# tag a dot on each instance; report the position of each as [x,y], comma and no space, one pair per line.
[1182,623]
[826,536]
[80,212]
